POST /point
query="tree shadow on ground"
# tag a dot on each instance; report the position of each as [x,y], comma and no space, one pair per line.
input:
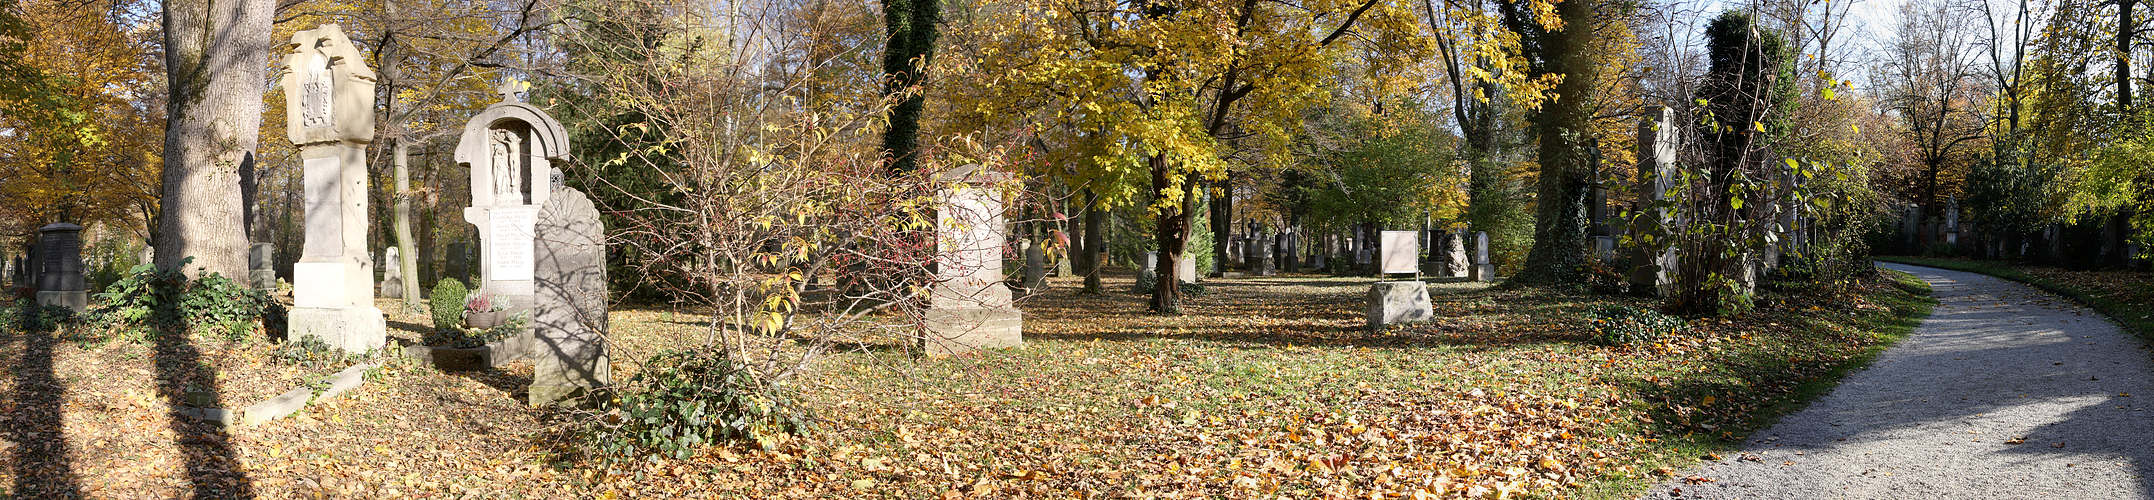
[213,467]
[1309,311]
[41,468]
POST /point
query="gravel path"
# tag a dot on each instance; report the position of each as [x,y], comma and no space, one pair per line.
[2004,392]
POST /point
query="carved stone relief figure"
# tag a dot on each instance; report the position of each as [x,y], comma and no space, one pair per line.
[507,166]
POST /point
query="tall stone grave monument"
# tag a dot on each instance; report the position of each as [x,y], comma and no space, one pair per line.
[569,305]
[59,277]
[1483,269]
[1450,255]
[330,117]
[1651,264]
[1952,220]
[392,274]
[969,307]
[509,148]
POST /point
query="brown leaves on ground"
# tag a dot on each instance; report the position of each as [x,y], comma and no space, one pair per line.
[1268,387]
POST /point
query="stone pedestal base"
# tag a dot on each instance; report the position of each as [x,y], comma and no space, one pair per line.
[1482,272]
[348,329]
[962,330]
[1394,302]
[262,279]
[76,300]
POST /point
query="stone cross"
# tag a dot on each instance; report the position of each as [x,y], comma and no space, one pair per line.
[59,278]
[332,122]
[969,307]
[509,150]
[569,307]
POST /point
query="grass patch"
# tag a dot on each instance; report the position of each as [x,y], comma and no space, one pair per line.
[2123,296]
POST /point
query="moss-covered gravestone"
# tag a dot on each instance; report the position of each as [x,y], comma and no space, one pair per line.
[569,306]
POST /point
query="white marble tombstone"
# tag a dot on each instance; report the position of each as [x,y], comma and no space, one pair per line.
[969,306]
[509,149]
[1401,252]
[330,117]
[392,274]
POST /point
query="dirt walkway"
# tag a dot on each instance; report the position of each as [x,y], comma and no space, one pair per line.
[2004,392]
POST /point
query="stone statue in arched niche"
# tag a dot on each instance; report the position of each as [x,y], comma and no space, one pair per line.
[509,168]
[510,149]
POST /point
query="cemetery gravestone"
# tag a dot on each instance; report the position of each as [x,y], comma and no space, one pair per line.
[1952,220]
[969,307]
[1401,253]
[59,279]
[392,274]
[509,149]
[457,262]
[261,266]
[1650,268]
[1448,256]
[569,305]
[1266,263]
[1035,267]
[331,119]
[1483,269]
[1394,302]
[147,255]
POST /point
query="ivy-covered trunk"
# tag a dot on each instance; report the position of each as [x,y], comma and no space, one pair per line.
[1560,242]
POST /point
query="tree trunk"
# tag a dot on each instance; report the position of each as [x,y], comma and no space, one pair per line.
[216,60]
[1095,244]
[1172,234]
[911,44]
[2125,29]
[1559,235]
[409,257]
[1222,225]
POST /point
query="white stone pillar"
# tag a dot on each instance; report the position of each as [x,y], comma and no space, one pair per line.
[329,93]
[969,307]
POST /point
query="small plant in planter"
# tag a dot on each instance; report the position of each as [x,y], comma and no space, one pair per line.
[482,312]
[471,337]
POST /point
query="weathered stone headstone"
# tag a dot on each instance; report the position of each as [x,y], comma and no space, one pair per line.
[509,149]
[1265,263]
[1035,267]
[969,307]
[331,119]
[1483,269]
[1952,220]
[1394,302]
[1448,257]
[59,279]
[261,266]
[457,263]
[569,306]
[1186,269]
[392,274]
[1401,252]
[1151,263]
[1604,248]
[1290,250]
[1652,260]
[146,255]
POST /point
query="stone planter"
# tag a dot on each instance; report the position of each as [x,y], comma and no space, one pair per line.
[484,320]
[492,355]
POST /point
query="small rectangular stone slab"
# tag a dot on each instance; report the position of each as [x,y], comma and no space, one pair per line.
[347,379]
[276,407]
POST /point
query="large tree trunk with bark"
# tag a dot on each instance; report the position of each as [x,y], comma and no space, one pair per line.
[1172,234]
[216,60]
[1095,241]
[1560,229]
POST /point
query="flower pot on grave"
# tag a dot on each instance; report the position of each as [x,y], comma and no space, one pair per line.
[484,320]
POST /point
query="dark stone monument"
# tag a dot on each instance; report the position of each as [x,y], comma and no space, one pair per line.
[59,278]
[261,266]
[569,308]
[457,262]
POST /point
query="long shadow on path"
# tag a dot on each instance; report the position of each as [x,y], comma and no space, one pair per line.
[34,426]
[2004,392]
[213,468]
